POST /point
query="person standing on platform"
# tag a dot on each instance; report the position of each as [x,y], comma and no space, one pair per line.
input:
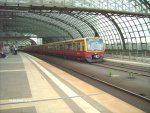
[15,49]
[2,53]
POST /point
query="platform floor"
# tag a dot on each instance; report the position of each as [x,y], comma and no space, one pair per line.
[30,85]
[137,61]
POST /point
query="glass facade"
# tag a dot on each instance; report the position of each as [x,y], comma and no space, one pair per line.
[124,25]
[118,5]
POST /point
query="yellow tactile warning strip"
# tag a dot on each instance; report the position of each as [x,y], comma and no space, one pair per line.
[115,104]
[100,96]
[81,85]
[69,92]
[46,99]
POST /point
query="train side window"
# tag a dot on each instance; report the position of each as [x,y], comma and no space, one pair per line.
[61,47]
[74,46]
[57,46]
[65,47]
[82,46]
[69,47]
[78,46]
[52,47]
[48,47]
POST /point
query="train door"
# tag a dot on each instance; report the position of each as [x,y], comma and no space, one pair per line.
[76,48]
[82,46]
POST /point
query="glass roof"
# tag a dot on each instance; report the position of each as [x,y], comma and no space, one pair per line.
[119,31]
[117,5]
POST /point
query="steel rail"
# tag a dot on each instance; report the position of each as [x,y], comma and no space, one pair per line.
[95,78]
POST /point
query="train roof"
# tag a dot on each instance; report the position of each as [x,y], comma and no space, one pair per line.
[64,41]
[71,40]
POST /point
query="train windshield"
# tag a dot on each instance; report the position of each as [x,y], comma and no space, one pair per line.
[95,44]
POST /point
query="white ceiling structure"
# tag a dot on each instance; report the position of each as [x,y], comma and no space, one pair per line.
[123,24]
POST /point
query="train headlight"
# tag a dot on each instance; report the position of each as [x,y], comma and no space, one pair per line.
[96,56]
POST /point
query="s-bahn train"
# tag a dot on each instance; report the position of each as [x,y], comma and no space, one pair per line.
[83,49]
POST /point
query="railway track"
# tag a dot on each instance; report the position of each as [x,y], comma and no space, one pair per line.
[95,78]
[133,95]
[139,70]
[129,66]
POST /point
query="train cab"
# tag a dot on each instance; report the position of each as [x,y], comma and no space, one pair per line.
[95,48]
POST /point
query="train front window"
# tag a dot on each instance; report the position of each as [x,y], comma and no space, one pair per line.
[95,44]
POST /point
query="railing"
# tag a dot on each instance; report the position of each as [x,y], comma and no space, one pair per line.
[138,56]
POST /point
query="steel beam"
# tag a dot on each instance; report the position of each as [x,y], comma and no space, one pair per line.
[119,30]
[67,10]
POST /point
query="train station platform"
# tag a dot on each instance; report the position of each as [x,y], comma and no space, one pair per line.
[31,85]
[137,61]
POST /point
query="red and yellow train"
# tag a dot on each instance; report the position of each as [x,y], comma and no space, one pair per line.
[83,49]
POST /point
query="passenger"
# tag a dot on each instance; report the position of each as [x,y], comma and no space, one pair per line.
[15,50]
[2,53]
